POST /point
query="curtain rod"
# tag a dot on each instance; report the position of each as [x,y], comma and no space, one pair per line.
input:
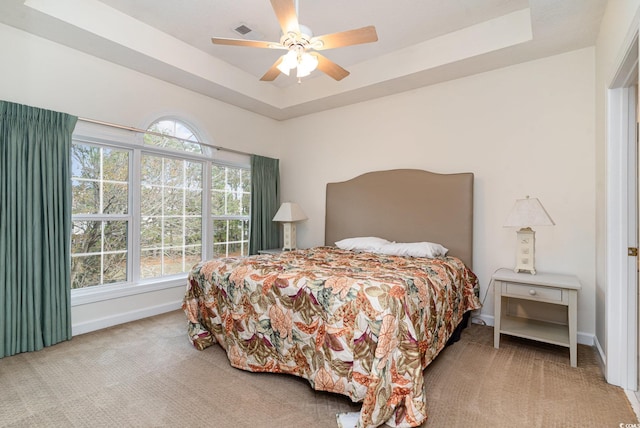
[132,129]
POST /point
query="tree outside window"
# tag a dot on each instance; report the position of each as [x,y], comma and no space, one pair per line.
[100,208]
[230,206]
[170,216]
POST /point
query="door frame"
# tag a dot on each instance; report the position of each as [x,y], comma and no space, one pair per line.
[621,348]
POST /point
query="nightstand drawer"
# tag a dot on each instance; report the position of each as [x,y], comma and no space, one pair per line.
[532,292]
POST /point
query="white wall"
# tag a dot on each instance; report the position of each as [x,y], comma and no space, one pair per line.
[522,130]
[44,74]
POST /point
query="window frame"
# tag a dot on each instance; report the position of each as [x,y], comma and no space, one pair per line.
[128,217]
[101,136]
[228,217]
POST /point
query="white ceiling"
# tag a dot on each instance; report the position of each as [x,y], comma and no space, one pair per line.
[421,42]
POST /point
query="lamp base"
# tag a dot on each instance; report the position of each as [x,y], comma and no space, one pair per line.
[525,251]
[289,235]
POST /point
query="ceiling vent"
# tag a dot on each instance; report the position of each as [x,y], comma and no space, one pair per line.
[242,30]
[247,32]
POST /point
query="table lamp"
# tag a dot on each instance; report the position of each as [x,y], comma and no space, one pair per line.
[526,213]
[288,214]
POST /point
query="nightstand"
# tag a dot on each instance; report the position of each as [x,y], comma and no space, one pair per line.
[270,251]
[553,316]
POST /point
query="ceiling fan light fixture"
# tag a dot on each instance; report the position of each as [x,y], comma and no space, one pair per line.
[283,67]
[307,64]
[290,59]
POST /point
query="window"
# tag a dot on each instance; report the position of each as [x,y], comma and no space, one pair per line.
[230,204]
[172,134]
[170,215]
[100,183]
[139,206]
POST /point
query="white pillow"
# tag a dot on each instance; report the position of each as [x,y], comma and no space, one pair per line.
[413,249]
[365,243]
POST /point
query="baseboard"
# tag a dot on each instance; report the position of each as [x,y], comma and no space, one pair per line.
[602,361]
[635,404]
[481,319]
[586,339]
[583,338]
[121,318]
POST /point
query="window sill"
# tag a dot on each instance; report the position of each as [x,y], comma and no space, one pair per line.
[84,296]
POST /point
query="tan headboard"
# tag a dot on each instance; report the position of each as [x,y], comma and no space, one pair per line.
[404,205]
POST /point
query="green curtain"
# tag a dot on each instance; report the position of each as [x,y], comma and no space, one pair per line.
[265,201]
[35,222]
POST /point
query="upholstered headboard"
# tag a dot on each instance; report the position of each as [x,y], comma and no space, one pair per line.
[404,205]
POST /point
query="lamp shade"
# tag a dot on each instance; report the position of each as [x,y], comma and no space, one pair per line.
[528,212]
[288,212]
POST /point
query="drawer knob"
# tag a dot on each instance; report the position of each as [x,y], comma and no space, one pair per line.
[532,292]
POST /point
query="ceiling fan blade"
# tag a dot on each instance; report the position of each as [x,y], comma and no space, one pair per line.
[330,68]
[273,72]
[346,38]
[285,11]
[249,43]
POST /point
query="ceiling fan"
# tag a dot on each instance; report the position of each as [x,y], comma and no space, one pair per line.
[301,45]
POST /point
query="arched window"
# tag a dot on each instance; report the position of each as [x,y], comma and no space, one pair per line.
[172,134]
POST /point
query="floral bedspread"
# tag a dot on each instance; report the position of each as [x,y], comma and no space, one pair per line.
[358,324]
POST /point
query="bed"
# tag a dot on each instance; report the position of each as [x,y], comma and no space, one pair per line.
[360,323]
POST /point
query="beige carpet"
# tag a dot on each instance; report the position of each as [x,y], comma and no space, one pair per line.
[146,374]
